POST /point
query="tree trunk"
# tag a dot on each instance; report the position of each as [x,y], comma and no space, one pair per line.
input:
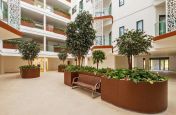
[79,61]
[97,64]
[130,62]
[63,62]
[82,59]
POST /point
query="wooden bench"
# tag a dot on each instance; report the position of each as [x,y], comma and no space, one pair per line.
[92,83]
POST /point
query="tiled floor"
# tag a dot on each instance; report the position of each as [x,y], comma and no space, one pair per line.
[48,95]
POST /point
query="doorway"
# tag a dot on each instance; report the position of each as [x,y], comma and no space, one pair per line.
[40,62]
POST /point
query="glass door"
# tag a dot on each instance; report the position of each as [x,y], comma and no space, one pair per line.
[162,24]
[159,64]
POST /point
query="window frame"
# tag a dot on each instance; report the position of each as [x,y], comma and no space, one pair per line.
[122,3]
[122,27]
[137,23]
[74,9]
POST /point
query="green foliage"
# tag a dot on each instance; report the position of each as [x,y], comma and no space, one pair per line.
[56,8]
[135,75]
[63,56]
[29,50]
[27,19]
[62,67]
[72,68]
[29,67]
[98,56]
[80,35]
[133,43]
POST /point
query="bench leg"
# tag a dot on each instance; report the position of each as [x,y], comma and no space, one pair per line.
[95,94]
[74,87]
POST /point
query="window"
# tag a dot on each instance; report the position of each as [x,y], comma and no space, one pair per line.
[74,9]
[121,3]
[121,31]
[81,6]
[140,26]
[159,63]
[144,63]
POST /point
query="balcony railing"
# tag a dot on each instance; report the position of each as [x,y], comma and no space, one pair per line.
[55,29]
[103,40]
[36,3]
[31,23]
[55,48]
[105,12]
[160,28]
[58,11]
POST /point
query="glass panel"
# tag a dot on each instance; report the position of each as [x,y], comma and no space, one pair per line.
[166,64]
[140,25]
[154,64]
[162,64]
[162,27]
[121,30]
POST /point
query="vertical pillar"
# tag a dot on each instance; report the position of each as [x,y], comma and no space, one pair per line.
[1,65]
[133,65]
[44,43]
[1,45]
[86,61]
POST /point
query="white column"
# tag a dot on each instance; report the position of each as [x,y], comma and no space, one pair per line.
[86,61]
[1,65]
[133,62]
[44,43]
[1,44]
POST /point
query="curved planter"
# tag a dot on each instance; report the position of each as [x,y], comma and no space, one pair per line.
[142,97]
[68,77]
[30,73]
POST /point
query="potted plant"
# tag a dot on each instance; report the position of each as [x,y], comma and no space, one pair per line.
[29,51]
[59,30]
[137,90]
[29,1]
[61,12]
[9,44]
[62,56]
[26,21]
[98,56]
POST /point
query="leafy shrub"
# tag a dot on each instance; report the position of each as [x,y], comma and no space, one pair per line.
[72,68]
[98,56]
[62,67]
[29,67]
[135,75]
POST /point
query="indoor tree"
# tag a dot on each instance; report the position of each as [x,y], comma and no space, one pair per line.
[63,56]
[98,56]
[29,51]
[80,35]
[133,43]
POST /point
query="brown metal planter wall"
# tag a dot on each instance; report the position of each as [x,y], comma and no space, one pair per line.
[68,77]
[142,97]
[30,73]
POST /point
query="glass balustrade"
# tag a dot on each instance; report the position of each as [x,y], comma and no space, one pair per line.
[160,28]
[103,40]
[105,12]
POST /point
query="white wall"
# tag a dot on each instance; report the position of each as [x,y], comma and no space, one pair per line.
[88,6]
[130,13]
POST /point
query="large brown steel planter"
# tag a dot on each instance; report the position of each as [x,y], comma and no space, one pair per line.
[142,97]
[68,77]
[30,73]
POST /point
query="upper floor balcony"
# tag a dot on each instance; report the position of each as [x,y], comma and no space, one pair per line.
[56,7]
[9,20]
